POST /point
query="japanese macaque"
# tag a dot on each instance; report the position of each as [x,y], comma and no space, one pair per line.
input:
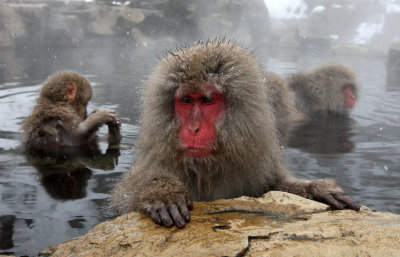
[326,89]
[208,132]
[59,124]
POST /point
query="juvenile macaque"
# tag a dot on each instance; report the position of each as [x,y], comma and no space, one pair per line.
[209,132]
[59,124]
[326,89]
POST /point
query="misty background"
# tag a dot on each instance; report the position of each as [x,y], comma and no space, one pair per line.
[371,24]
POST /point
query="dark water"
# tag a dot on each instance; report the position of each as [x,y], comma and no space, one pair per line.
[41,209]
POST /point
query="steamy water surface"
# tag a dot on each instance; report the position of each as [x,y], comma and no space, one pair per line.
[42,207]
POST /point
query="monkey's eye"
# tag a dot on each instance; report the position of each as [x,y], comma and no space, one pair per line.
[207,99]
[184,100]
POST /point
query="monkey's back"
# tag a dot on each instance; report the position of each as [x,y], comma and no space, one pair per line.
[45,128]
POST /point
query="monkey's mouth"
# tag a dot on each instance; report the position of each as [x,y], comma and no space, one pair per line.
[197,152]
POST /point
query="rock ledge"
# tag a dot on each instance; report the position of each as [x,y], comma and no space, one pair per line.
[277,224]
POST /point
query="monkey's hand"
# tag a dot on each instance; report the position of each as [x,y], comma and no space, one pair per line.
[113,126]
[114,132]
[328,192]
[88,127]
[99,117]
[167,201]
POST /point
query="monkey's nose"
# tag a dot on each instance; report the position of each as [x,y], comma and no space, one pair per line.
[194,130]
[194,126]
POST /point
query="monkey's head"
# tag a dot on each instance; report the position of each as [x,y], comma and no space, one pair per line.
[69,88]
[207,102]
[329,88]
[341,87]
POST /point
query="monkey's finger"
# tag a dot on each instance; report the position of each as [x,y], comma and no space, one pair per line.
[155,216]
[110,118]
[117,122]
[309,196]
[328,198]
[184,210]
[189,202]
[176,216]
[166,219]
[348,201]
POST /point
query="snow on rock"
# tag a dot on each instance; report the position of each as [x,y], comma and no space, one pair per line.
[287,9]
[366,31]
[318,9]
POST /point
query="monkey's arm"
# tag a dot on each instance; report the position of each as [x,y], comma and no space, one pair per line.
[321,190]
[87,128]
[159,194]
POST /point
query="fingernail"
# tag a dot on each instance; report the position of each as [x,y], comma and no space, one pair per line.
[181,223]
[187,217]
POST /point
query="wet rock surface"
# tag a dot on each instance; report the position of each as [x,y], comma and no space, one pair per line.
[277,224]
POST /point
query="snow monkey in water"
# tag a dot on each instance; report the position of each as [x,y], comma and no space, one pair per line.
[208,132]
[59,124]
[324,91]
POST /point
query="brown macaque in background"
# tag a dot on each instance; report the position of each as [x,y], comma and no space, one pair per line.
[326,89]
[59,123]
[208,132]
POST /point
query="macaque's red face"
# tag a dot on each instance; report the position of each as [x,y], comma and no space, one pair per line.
[198,113]
[349,97]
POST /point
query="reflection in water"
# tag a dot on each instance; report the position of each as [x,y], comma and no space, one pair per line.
[66,177]
[78,222]
[8,225]
[66,184]
[325,135]
[6,231]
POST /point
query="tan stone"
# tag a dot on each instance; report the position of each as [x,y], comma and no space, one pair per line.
[132,15]
[277,224]
[356,50]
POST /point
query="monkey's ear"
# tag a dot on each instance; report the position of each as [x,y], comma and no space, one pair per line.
[70,92]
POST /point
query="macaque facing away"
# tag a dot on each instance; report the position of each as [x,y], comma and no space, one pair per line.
[59,124]
[326,89]
[208,132]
